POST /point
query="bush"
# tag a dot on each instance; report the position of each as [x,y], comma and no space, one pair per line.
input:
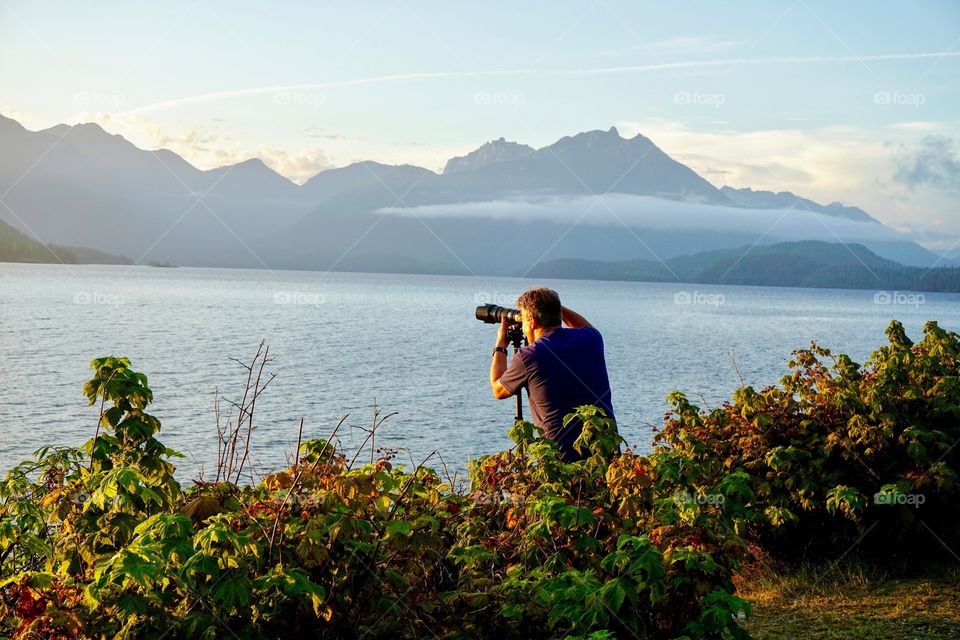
[842,455]
[102,542]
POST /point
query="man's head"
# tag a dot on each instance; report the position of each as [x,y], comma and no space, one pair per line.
[540,309]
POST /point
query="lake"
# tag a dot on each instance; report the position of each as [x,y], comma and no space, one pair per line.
[343,342]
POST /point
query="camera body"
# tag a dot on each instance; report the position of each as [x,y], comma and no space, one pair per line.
[493,314]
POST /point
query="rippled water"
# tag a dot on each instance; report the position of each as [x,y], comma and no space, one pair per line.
[343,340]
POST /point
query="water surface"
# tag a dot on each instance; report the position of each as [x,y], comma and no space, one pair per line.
[344,341]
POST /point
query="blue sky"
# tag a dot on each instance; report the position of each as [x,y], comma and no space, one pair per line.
[853,101]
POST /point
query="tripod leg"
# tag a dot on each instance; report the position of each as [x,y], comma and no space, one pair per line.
[518,340]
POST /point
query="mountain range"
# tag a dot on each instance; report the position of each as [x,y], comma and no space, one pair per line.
[806,263]
[502,209]
[18,247]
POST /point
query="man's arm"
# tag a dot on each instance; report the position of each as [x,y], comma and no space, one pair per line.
[573,319]
[499,365]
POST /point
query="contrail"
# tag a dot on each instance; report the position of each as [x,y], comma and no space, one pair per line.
[437,75]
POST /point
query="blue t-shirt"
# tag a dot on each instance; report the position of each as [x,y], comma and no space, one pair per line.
[562,370]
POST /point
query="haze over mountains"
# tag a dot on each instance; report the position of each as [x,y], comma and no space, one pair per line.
[500,210]
[806,263]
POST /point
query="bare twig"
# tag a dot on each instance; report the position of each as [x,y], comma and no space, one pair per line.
[296,461]
[452,481]
[222,462]
[246,389]
[704,400]
[253,403]
[293,485]
[733,360]
[216,414]
[373,429]
[370,434]
[232,436]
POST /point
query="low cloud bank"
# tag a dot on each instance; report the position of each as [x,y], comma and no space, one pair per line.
[650,213]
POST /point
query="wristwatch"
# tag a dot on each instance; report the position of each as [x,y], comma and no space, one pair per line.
[502,350]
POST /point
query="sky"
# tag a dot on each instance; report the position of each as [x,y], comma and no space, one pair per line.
[854,102]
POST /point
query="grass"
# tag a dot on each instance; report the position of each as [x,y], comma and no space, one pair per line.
[852,601]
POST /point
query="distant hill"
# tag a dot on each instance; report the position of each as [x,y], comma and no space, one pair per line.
[751,199]
[812,264]
[17,247]
[82,186]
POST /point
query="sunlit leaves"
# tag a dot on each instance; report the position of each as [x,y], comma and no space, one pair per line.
[322,549]
[816,449]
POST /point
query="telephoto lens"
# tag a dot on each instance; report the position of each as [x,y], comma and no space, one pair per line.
[492,314]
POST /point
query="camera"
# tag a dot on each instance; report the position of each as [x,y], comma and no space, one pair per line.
[493,314]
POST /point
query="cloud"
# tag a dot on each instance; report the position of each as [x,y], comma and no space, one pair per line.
[299,166]
[935,164]
[25,118]
[853,165]
[208,148]
[655,214]
[203,147]
[828,164]
[720,64]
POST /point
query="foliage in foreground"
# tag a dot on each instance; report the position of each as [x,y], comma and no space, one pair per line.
[102,543]
[842,457]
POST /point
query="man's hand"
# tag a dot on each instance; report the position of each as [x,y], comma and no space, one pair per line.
[499,365]
[502,330]
[573,319]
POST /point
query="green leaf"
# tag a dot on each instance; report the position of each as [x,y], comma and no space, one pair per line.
[398,528]
[233,593]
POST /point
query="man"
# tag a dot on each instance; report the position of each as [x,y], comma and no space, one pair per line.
[562,368]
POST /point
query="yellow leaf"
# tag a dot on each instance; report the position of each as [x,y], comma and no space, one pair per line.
[279,480]
[50,499]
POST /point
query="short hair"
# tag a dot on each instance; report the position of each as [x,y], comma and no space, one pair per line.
[543,305]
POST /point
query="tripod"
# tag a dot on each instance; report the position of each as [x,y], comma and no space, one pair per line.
[515,336]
